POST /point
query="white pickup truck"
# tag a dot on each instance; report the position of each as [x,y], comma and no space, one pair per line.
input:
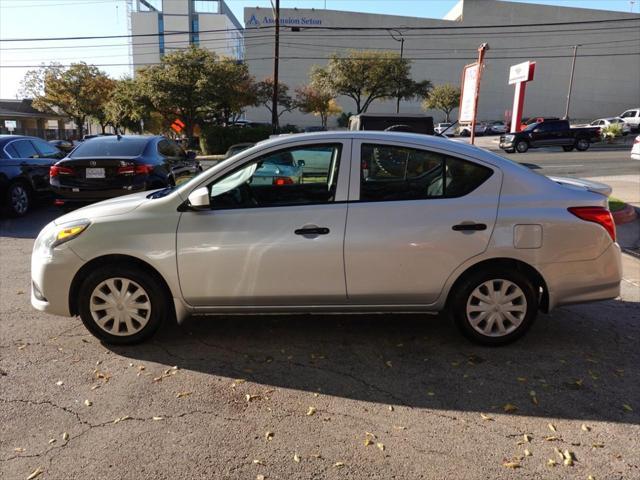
[632,117]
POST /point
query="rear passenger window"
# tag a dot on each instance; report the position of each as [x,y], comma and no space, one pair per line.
[389,173]
[25,149]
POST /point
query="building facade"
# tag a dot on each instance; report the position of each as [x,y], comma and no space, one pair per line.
[164,26]
[607,69]
[20,118]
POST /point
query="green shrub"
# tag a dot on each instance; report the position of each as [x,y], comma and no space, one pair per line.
[611,131]
[216,139]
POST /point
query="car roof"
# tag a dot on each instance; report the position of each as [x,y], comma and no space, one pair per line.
[6,138]
[111,138]
[418,139]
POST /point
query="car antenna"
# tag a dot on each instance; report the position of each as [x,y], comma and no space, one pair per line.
[442,133]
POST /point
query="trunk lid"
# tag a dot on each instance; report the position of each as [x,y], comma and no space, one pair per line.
[94,172]
[582,184]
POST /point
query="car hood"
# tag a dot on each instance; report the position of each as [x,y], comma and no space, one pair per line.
[595,187]
[106,208]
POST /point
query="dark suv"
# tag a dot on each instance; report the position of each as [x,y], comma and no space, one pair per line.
[550,133]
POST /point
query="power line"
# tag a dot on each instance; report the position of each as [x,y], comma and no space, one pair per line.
[356,58]
[401,28]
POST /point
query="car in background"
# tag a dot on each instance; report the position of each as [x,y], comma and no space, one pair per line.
[279,169]
[497,127]
[24,171]
[113,165]
[550,133]
[605,122]
[441,127]
[465,130]
[406,122]
[632,117]
[635,150]
[237,148]
[390,222]
[63,145]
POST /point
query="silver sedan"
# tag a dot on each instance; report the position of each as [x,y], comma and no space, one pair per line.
[380,221]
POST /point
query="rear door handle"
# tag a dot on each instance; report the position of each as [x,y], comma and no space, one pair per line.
[466,227]
[312,231]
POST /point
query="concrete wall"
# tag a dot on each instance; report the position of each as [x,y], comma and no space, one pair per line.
[145,49]
[603,85]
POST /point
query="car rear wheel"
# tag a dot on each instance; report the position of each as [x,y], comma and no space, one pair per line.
[494,307]
[582,144]
[567,148]
[122,305]
[18,199]
[522,146]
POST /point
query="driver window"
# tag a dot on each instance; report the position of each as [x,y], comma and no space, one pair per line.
[295,176]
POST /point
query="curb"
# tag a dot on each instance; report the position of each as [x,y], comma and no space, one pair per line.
[627,215]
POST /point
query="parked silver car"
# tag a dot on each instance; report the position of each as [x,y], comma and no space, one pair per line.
[387,222]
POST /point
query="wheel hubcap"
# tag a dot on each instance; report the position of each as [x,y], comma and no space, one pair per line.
[120,306]
[19,199]
[496,308]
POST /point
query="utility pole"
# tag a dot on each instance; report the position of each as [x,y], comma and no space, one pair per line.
[481,51]
[401,40]
[276,61]
[573,67]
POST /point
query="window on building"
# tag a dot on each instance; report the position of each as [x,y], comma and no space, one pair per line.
[390,173]
[195,29]
[161,33]
[206,6]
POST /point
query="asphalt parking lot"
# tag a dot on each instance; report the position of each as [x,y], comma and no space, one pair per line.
[321,396]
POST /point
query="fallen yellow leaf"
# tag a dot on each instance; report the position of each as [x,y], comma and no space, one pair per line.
[183,394]
[367,442]
[380,446]
[268,435]
[38,471]
[597,445]
[65,436]
[296,458]
[527,452]
[551,462]
[258,462]
[157,418]
[52,440]
[627,407]
[552,439]
[552,427]
[338,464]
[311,411]
[388,363]
[88,403]
[260,477]
[486,417]
[585,428]
[527,438]
[513,465]
[568,462]
[19,450]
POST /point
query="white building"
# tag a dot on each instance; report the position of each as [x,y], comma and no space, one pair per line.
[163,26]
[607,71]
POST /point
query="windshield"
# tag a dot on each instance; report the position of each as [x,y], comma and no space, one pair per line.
[531,127]
[111,147]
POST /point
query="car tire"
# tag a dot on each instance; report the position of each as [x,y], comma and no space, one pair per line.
[568,148]
[582,144]
[510,150]
[514,316]
[522,146]
[18,199]
[118,322]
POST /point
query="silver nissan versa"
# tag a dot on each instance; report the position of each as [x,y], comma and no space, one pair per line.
[378,222]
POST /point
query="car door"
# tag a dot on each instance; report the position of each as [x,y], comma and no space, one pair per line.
[269,243]
[33,163]
[420,214]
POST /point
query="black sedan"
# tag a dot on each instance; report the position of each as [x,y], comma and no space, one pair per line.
[109,166]
[24,171]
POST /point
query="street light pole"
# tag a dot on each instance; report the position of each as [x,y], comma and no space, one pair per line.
[276,59]
[573,67]
[481,51]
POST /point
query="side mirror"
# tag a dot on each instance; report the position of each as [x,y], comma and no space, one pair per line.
[199,199]
[191,155]
[301,163]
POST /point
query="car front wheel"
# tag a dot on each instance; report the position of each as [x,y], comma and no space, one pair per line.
[122,305]
[522,146]
[494,307]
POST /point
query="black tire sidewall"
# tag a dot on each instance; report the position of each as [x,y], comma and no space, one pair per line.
[155,292]
[568,148]
[9,205]
[522,142]
[458,305]
[582,149]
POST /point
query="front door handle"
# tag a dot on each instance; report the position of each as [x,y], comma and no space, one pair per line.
[466,227]
[312,231]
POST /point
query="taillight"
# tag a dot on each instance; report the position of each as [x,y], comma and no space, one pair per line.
[55,170]
[283,181]
[135,169]
[599,215]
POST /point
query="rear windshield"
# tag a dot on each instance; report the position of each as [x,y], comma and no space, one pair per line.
[111,147]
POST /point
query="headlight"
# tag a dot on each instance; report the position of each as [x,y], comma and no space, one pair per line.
[509,138]
[54,235]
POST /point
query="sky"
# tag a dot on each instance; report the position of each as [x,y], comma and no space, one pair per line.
[56,18]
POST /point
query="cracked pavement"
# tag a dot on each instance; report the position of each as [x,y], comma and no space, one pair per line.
[237,404]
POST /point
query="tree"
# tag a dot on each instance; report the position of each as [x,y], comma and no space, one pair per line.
[444,97]
[311,99]
[105,85]
[196,87]
[264,96]
[363,76]
[76,91]
[127,106]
